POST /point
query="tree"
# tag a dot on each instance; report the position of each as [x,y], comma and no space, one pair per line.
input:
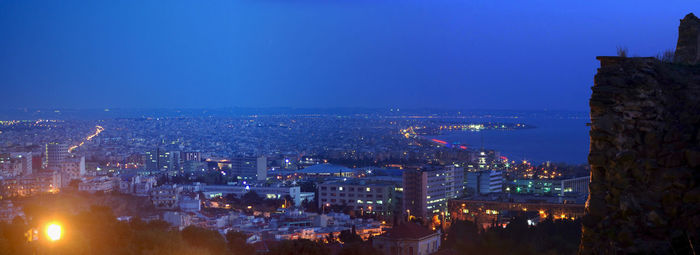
[250,198]
[461,233]
[12,239]
[302,246]
[230,198]
[330,238]
[236,243]
[547,237]
[289,201]
[73,184]
[349,236]
[310,206]
[204,238]
[307,186]
[359,248]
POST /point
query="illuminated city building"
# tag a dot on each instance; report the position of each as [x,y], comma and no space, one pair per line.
[426,190]
[102,184]
[163,160]
[166,196]
[365,196]
[151,162]
[190,202]
[137,185]
[488,213]
[36,183]
[55,154]
[577,185]
[318,171]
[485,182]
[15,163]
[71,169]
[191,156]
[265,190]
[249,168]
[565,187]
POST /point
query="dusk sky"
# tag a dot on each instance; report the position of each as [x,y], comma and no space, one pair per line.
[530,55]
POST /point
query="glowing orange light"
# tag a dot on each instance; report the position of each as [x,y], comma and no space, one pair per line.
[53,231]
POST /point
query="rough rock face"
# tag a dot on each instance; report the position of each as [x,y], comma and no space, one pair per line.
[645,158]
[688,47]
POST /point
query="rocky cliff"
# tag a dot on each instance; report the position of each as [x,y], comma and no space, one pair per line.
[645,153]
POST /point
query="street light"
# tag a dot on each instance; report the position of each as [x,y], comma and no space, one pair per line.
[53,232]
[442,222]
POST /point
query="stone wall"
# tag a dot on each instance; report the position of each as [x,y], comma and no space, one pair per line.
[645,158]
[688,48]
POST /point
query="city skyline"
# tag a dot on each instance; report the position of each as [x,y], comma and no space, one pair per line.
[349,127]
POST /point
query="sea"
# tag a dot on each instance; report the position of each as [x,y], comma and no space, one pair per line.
[560,138]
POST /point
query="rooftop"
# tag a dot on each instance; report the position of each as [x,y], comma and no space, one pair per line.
[324,168]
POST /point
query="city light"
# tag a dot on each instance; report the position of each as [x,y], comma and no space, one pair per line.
[548,160]
[53,231]
[98,130]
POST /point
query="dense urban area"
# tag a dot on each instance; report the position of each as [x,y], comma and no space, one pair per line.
[279,184]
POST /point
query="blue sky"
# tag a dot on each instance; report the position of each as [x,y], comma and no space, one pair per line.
[529,55]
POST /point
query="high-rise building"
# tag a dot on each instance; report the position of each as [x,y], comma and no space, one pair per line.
[9,166]
[163,160]
[485,182]
[577,185]
[71,169]
[192,162]
[56,153]
[173,162]
[426,190]
[151,160]
[192,156]
[25,160]
[16,163]
[194,166]
[366,196]
[249,168]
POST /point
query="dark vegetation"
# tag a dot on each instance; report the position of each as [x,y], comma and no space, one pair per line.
[72,202]
[97,231]
[547,237]
[668,56]
[622,51]
[350,244]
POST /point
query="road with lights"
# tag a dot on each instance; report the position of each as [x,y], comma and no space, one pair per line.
[98,130]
